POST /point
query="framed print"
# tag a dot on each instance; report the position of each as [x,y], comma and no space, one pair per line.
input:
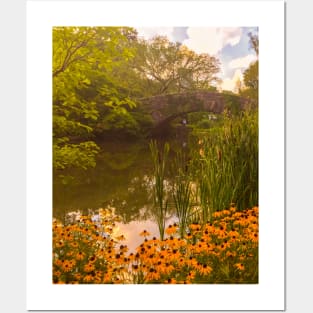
[155,155]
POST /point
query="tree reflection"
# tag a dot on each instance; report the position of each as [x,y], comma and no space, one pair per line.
[122,179]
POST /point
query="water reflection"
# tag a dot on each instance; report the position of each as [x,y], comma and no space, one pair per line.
[132,230]
[123,180]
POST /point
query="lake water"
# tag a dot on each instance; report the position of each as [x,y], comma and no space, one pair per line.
[122,180]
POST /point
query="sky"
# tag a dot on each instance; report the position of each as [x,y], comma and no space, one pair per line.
[229,44]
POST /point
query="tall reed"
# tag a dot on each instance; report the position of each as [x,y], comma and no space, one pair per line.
[203,190]
[159,158]
[182,191]
[228,164]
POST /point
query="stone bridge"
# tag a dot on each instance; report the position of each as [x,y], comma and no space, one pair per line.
[165,108]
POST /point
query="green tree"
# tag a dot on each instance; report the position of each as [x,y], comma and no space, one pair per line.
[84,61]
[166,67]
[251,82]
[251,74]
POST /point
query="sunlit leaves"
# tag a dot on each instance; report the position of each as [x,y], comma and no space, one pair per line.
[75,155]
[84,59]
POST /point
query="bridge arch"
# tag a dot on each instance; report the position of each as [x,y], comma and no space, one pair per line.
[164,108]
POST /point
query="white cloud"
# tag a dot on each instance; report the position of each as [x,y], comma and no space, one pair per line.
[231,35]
[230,83]
[211,40]
[149,32]
[243,62]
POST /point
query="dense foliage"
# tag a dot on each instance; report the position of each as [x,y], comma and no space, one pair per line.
[85,85]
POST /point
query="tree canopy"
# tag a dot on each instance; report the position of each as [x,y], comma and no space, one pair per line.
[167,67]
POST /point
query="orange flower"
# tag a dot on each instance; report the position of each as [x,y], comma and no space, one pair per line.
[74,244]
[121,238]
[195,227]
[109,230]
[217,214]
[107,278]
[233,234]
[191,261]
[204,269]
[153,274]
[92,259]
[78,276]
[200,246]
[144,233]
[70,253]
[69,236]
[232,208]
[98,275]
[60,244]
[88,278]
[172,229]
[168,268]
[58,262]
[230,254]
[89,267]
[191,275]
[188,236]
[123,248]
[239,266]
[254,237]
[80,255]
[221,230]
[67,265]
